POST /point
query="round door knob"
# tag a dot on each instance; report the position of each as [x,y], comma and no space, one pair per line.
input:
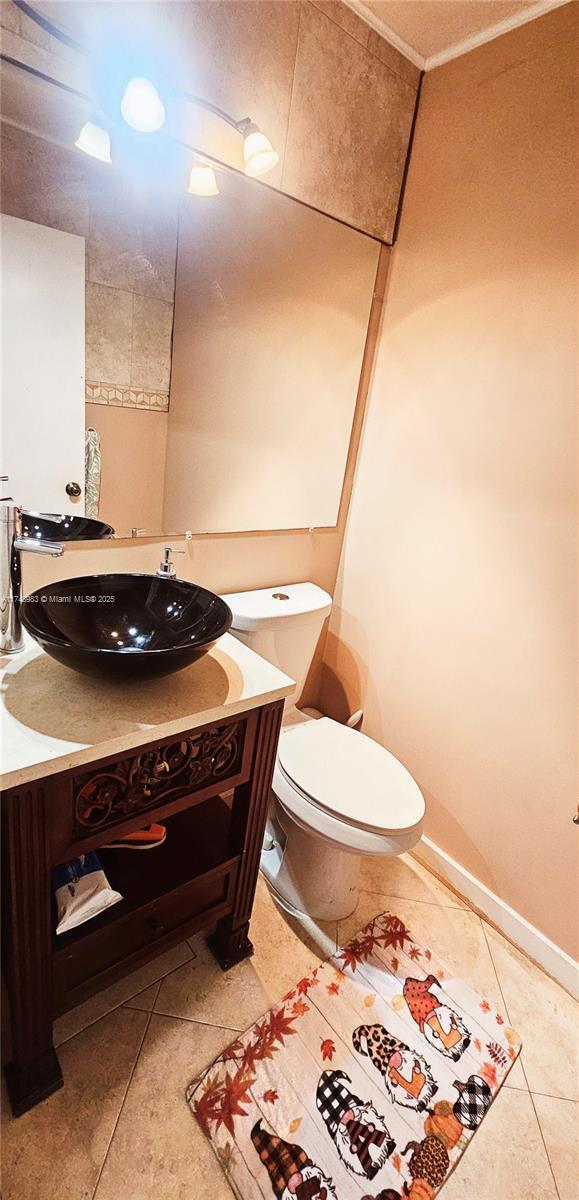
[73,489]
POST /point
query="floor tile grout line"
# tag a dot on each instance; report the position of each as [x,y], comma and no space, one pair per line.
[125,1003]
[544,1142]
[195,1021]
[123,1102]
[415,900]
[135,1007]
[542,1136]
[497,977]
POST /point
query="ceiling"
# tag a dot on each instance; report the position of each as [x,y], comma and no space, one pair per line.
[430,32]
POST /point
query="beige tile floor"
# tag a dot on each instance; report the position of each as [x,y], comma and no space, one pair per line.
[121,1130]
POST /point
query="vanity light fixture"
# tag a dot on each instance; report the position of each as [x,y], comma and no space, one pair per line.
[93,139]
[141,106]
[202,181]
[259,155]
[143,109]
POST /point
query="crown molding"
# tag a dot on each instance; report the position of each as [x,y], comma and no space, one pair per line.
[386,32]
[457,48]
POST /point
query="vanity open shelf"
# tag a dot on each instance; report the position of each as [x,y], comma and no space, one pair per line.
[168,893]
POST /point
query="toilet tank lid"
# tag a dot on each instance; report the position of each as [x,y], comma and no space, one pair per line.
[267,608]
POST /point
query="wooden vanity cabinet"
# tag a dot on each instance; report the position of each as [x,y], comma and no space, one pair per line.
[210,787]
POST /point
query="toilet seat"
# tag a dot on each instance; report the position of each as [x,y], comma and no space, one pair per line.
[348,780]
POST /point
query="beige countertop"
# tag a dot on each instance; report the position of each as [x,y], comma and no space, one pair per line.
[52,718]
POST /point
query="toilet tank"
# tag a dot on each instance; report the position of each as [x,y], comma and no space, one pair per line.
[283,624]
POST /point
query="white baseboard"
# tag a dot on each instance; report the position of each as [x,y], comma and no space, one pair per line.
[516,928]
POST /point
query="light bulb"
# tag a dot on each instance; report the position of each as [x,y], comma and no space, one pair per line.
[96,141]
[202,181]
[142,106]
[259,155]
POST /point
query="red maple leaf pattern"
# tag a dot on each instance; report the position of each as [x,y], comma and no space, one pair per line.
[207,1105]
[221,1102]
[396,933]
[328,1049]
[300,1008]
[235,1091]
[385,932]
[349,957]
[333,989]
[270,1096]
[485,1006]
[500,1020]
[279,1026]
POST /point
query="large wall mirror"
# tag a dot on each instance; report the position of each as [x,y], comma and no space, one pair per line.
[224,334]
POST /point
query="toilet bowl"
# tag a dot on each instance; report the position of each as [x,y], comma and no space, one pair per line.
[336,793]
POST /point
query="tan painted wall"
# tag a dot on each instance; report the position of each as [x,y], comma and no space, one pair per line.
[133,448]
[272,302]
[454,622]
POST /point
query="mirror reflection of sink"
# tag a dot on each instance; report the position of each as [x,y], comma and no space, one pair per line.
[125,626]
[63,527]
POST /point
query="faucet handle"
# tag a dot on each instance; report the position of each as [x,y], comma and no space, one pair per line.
[136,530]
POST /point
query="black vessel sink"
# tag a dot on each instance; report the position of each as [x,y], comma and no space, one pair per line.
[125,626]
[63,527]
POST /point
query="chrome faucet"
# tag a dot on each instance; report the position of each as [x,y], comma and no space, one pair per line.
[11,545]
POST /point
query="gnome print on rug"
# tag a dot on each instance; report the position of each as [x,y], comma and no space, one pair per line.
[441,1026]
[360,1134]
[319,1100]
[292,1174]
[406,1073]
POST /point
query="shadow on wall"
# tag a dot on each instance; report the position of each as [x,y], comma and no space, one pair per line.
[343,673]
[459,844]
[346,685]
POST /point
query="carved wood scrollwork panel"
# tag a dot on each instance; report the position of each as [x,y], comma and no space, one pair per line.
[124,789]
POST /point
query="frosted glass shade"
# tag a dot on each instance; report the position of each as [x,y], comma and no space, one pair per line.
[96,141]
[202,181]
[259,155]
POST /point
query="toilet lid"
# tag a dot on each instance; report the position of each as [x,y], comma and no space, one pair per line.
[349,775]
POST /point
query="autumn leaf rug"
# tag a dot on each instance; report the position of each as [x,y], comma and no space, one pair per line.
[367,1080]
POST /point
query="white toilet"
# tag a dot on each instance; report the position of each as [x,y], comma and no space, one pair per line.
[337,794]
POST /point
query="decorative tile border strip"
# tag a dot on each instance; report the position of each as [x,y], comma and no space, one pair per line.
[125,397]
